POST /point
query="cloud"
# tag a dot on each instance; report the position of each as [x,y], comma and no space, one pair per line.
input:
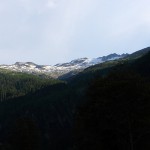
[51,3]
[52,31]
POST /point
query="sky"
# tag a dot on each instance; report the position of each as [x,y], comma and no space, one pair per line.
[56,31]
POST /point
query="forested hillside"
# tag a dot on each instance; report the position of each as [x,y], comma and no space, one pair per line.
[105,107]
[116,114]
[18,84]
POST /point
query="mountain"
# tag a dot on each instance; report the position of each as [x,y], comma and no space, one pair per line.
[138,53]
[129,62]
[58,70]
[47,117]
[19,84]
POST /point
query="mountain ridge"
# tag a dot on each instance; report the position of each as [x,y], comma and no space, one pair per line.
[72,68]
[60,69]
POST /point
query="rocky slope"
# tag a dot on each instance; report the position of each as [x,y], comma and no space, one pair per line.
[57,70]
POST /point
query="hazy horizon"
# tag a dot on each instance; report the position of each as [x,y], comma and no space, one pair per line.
[57,31]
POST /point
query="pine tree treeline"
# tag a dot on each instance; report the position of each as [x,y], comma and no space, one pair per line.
[18,84]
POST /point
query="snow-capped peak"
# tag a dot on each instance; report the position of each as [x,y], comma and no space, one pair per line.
[60,69]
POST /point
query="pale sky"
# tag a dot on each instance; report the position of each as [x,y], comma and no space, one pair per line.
[56,31]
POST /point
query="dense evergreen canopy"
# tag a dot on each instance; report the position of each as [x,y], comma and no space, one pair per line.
[107,106]
[116,115]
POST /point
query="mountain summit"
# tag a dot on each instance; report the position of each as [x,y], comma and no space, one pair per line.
[60,69]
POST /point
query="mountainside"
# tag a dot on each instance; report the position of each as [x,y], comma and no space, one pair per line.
[60,69]
[104,68]
[54,117]
[14,84]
